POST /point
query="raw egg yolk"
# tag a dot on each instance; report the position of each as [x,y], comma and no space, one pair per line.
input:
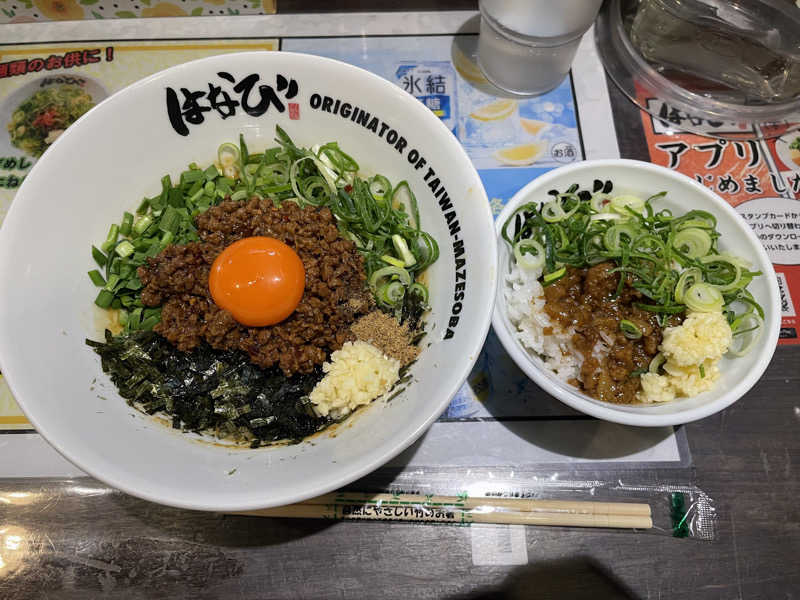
[259,280]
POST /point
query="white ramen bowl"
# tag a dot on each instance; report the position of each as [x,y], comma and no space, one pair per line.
[116,154]
[643,179]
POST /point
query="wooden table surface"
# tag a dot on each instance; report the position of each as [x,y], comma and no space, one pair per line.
[79,539]
[83,540]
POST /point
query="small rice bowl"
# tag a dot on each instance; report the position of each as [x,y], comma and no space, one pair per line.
[518,327]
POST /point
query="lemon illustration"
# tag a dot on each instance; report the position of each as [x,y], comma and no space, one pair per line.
[466,67]
[517,156]
[495,111]
[8,407]
[533,126]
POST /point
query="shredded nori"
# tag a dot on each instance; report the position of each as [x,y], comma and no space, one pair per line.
[411,311]
[209,390]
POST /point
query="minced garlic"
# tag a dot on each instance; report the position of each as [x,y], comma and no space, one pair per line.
[692,351]
[356,375]
[703,335]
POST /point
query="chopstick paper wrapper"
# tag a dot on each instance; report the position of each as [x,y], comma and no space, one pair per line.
[464,510]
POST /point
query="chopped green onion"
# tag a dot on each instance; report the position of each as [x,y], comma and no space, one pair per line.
[648,243]
[391,293]
[630,330]
[693,242]
[622,204]
[660,308]
[388,272]
[419,289]
[134,318]
[227,150]
[293,177]
[104,298]
[112,282]
[606,217]
[170,220]
[402,197]
[393,261]
[126,225]
[746,297]
[251,170]
[702,370]
[552,212]
[142,224]
[655,364]
[598,201]
[724,271]
[613,236]
[330,175]
[380,187]
[401,247]
[696,218]
[702,297]
[191,176]
[212,172]
[97,278]
[554,276]
[124,248]
[197,194]
[529,254]
[111,239]
[99,257]
[243,152]
[746,332]
[149,323]
[687,279]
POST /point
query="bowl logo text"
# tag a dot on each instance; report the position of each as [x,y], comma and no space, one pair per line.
[246,94]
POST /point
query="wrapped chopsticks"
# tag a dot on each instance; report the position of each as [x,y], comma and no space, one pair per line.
[464,510]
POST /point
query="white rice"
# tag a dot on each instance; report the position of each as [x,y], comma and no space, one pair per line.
[525,308]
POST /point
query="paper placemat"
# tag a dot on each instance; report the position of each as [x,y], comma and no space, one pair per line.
[430,55]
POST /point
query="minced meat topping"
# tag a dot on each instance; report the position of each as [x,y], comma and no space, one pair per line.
[586,299]
[335,293]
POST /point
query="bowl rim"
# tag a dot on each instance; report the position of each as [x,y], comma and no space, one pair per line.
[608,411]
[479,209]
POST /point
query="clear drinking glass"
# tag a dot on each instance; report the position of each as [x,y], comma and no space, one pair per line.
[526,47]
